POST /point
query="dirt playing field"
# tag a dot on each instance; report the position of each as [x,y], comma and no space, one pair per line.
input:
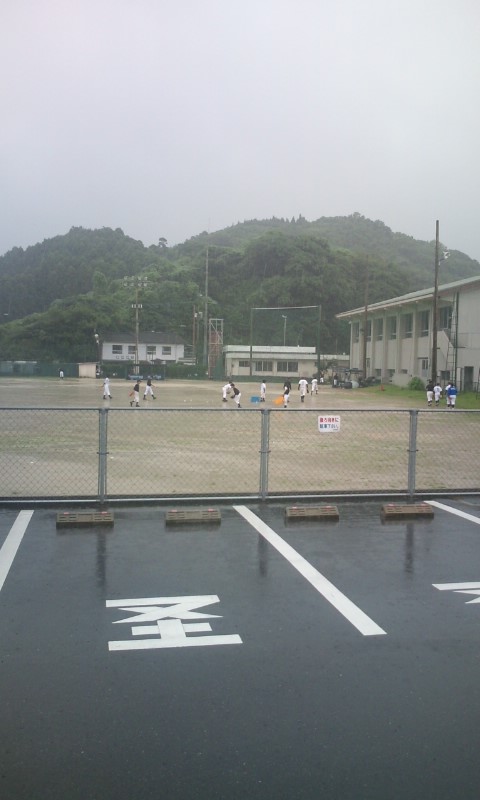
[88,393]
[188,442]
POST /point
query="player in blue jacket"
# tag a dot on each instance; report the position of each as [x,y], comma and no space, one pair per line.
[452,392]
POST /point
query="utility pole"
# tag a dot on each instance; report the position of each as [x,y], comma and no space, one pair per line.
[251,341]
[435,307]
[318,339]
[194,335]
[365,323]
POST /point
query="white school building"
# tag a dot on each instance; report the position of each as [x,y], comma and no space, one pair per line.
[398,335]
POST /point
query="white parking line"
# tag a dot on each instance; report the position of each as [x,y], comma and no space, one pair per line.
[458,587]
[455,511]
[349,610]
[12,543]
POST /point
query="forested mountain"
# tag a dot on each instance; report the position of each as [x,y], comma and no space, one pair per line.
[354,233]
[66,266]
[55,295]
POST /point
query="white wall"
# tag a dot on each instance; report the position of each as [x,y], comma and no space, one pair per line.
[307,367]
[468,329]
[87,370]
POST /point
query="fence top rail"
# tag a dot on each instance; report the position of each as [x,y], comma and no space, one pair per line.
[131,410]
[188,409]
[55,408]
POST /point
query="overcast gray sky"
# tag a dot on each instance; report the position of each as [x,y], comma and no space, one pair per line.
[170,117]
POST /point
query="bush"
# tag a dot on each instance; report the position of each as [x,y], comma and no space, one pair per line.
[416,384]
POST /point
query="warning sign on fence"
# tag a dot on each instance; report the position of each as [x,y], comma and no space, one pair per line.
[328,423]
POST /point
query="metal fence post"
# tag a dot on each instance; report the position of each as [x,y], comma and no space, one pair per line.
[264,452]
[412,452]
[102,454]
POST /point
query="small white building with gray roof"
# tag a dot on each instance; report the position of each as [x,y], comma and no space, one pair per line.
[270,361]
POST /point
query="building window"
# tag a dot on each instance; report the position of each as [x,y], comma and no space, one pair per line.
[355,331]
[407,326]
[369,330]
[117,349]
[423,318]
[263,366]
[392,327]
[423,367]
[378,330]
[378,373]
[287,366]
[243,363]
[131,349]
[166,350]
[445,318]
[151,351]
[391,373]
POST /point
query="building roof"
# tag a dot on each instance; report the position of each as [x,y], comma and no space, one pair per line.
[229,349]
[147,337]
[411,297]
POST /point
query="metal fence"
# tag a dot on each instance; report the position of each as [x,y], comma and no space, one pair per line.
[180,454]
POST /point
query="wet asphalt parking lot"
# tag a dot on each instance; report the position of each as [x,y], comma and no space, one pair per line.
[255,658]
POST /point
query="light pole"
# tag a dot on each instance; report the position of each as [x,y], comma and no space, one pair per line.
[205,317]
[197,317]
[99,352]
[136,282]
[284,328]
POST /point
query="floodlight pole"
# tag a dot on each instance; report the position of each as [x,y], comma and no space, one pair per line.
[99,350]
[136,282]
[137,331]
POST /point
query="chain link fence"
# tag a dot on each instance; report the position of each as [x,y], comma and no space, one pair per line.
[162,454]
[48,453]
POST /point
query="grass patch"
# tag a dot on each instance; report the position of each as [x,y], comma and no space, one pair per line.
[417,398]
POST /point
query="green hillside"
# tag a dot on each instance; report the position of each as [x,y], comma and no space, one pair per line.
[356,234]
[55,295]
